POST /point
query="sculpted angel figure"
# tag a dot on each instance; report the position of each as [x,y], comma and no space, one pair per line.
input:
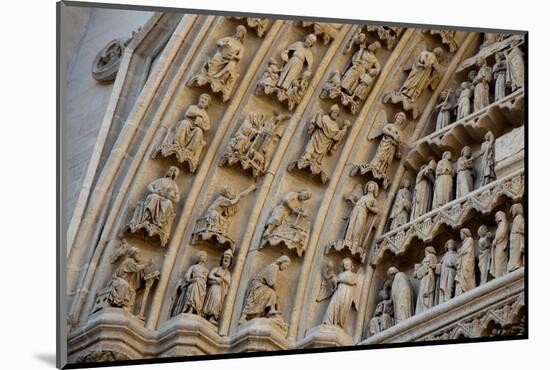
[192,288]
[326,135]
[219,280]
[425,272]
[401,206]
[156,214]
[186,139]
[343,297]
[220,71]
[388,149]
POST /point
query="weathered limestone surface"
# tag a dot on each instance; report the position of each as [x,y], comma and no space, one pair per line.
[265,184]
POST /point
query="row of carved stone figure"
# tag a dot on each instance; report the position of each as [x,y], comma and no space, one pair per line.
[439,183]
[473,95]
[455,273]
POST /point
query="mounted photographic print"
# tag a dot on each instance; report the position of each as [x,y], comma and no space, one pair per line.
[240,184]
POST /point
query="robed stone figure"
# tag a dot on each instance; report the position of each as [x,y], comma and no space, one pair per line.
[382,317]
[423,190]
[481,90]
[484,259]
[219,280]
[488,173]
[465,263]
[447,272]
[425,272]
[296,56]
[517,238]
[401,293]
[500,246]
[344,296]
[465,174]
[192,288]
[401,206]
[444,175]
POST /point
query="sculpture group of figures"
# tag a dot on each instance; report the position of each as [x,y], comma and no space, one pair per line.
[353,86]
[289,81]
[202,292]
[438,183]
[456,272]
[503,78]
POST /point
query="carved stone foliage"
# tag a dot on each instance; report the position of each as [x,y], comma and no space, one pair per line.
[361,221]
[289,81]
[156,213]
[328,31]
[107,61]
[504,319]
[387,34]
[214,224]
[262,298]
[453,215]
[288,224]
[259,25]
[424,71]
[388,149]
[102,356]
[220,71]
[326,136]
[447,38]
[186,139]
[353,85]
[254,143]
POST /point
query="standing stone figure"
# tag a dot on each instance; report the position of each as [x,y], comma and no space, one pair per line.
[192,288]
[219,280]
[387,150]
[343,296]
[262,299]
[425,272]
[220,71]
[465,263]
[464,96]
[447,272]
[515,69]
[186,139]
[401,293]
[517,238]
[326,135]
[382,317]
[423,190]
[500,246]
[488,173]
[465,174]
[127,279]
[484,259]
[401,206]
[481,82]
[156,214]
[296,57]
[444,173]
[444,106]
[499,72]
[363,62]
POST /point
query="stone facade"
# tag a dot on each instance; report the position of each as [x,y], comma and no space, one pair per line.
[266,184]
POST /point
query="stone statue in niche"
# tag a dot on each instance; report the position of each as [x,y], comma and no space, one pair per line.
[481,90]
[499,73]
[464,106]
[388,35]
[517,238]
[343,296]
[326,136]
[215,223]
[291,80]
[133,274]
[328,31]
[484,259]
[281,229]
[401,206]
[354,85]
[262,298]
[465,263]
[220,70]
[361,221]
[444,107]
[219,280]
[191,290]
[423,190]
[465,172]
[156,214]
[447,272]
[402,294]
[447,38]
[382,317]
[499,249]
[515,68]
[186,139]
[254,142]
[257,24]
[444,175]
[425,71]
[488,173]
[328,283]
[388,149]
[425,272]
